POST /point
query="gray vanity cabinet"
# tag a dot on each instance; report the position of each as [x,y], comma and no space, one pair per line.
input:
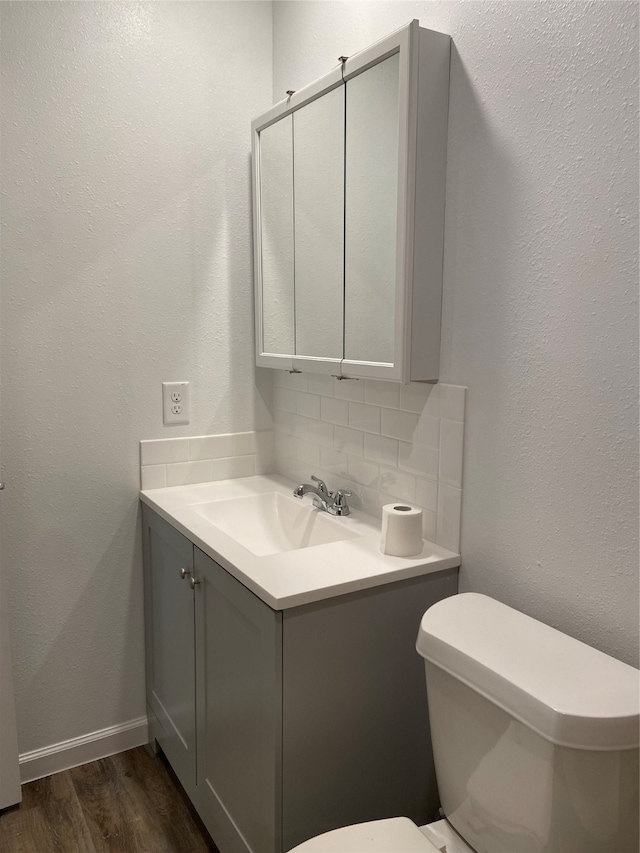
[169,618]
[239,666]
[308,718]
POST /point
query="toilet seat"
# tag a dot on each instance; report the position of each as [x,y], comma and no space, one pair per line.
[393,835]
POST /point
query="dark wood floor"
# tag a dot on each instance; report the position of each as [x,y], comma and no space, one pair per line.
[129,802]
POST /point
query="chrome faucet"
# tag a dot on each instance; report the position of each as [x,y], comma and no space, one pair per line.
[334,503]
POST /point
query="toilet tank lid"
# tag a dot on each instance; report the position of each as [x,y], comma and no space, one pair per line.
[569,693]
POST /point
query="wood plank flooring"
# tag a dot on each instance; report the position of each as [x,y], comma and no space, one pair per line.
[128,803]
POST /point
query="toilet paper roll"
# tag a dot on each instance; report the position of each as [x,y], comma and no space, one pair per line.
[401,530]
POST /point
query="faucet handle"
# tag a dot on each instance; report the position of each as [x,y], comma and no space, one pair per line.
[340,505]
[321,484]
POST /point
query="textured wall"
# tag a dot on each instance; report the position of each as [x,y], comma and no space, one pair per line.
[540,314]
[126,260]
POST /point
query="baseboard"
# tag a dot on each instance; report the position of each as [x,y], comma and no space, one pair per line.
[80,750]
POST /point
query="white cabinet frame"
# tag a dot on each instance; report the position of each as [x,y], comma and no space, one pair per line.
[424,58]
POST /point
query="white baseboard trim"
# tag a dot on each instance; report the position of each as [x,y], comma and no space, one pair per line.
[79,750]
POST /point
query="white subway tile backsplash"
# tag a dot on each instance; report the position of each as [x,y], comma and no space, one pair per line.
[333,462]
[420,397]
[304,451]
[183,473]
[372,501]
[298,426]
[290,467]
[280,378]
[321,432]
[265,459]
[364,417]
[382,393]
[308,405]
[232,468]
[210,447]
[208,457]
[285,399]
[427,494]
[320,384]
[348,440]
[397,424]
[429,524]
[397,485]
[164,450]
[452,400]
[153,477]
[380,440]
[418,459]
[428,431]
[265,463]
[363,472]
[244,443]
[334,411]
[295,381]
[448,527]
[349,389]
[381,449]
[451,444]
[282,421]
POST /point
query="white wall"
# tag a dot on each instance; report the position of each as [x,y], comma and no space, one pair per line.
[540,297]
[126,260]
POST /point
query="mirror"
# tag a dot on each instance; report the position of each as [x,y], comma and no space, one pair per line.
[318,134]
[276,220]
[371,198]
[354,206]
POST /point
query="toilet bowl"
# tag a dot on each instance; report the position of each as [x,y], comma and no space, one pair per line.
[535,740]
[393,835]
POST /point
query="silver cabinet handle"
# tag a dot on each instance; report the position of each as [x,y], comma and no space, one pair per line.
[1,487]
[193,583]
[184,573]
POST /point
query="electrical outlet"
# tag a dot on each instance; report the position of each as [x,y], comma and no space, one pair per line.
[175,402]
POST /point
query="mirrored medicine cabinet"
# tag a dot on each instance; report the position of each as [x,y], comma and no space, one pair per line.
[348,200]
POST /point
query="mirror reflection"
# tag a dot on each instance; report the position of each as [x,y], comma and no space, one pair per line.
[318,130]
[371,167]
[328,208]
[276,219]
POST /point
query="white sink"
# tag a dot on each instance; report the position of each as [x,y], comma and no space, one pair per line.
[272,523]
[283,549]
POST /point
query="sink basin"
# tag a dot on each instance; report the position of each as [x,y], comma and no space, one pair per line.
[272,523]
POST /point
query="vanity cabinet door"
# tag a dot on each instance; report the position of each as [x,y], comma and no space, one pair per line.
[169,617]
[239,702]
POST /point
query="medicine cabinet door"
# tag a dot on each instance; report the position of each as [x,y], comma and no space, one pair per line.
[275,248]
[318,190]
[371,206]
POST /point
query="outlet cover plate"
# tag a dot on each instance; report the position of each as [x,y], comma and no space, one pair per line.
[175,402]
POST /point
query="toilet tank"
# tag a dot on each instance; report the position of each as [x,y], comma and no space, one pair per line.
[535,734]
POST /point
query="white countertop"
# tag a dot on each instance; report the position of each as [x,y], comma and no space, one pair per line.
[292,578]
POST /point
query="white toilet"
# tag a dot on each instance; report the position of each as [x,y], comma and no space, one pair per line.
[535,740]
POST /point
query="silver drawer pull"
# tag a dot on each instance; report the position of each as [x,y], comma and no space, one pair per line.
[193,583]
[184,573]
